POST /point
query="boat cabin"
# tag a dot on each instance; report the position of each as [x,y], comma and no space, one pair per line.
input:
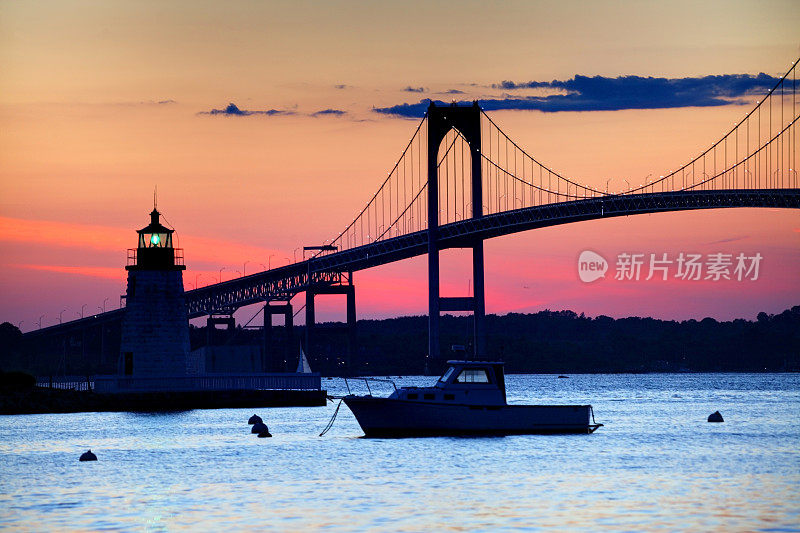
[465,383]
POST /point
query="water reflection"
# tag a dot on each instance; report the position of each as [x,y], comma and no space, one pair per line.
[657,464]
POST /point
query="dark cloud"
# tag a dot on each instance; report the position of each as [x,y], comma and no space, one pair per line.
[727,85]
[329,112]
[341,86]
[234,111]
[510,85]
[598,93]
[165,102]
[405,110]
[410,89]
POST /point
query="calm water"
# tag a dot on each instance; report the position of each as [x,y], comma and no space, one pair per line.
[656,465]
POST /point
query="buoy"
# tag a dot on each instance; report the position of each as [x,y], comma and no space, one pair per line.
[715,417]
[563,377]
[254,419]
[264,434]
[88,456]
[259,427]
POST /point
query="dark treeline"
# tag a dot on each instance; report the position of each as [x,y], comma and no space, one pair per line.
[563,341]
[547,342]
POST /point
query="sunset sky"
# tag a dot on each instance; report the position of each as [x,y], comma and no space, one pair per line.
[100,102]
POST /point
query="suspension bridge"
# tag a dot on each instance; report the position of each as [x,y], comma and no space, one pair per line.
[461,180]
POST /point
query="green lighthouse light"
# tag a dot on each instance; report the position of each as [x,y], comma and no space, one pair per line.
[154,250]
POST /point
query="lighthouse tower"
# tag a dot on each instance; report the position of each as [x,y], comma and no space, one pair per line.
[155,327]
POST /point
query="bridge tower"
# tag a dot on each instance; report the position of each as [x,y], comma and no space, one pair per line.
[155,327]
[466,120]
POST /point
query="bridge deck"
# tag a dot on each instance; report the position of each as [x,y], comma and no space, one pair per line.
[285,282]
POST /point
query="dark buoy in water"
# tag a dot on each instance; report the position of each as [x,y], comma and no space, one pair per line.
[563,377]
[88,456]
[254,419]
[715,417]
[259,427]
[264,434]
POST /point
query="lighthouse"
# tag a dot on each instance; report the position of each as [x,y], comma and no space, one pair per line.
[155,327]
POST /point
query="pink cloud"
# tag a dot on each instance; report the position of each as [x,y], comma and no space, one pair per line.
[115,239]
[93,272]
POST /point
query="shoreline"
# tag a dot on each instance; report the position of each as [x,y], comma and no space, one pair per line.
[39,400]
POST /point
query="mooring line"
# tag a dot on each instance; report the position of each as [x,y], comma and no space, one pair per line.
[330,423]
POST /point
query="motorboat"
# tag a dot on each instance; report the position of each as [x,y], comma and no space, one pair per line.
[469,399]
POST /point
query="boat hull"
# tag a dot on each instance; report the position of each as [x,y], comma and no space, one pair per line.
[388,417]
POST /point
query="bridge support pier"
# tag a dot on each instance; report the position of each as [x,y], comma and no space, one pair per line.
[478,300]
[475,304]
[467,121]
[211,325]
[350,292]
[270,361]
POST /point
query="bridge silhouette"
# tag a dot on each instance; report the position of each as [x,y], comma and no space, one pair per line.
[462,180]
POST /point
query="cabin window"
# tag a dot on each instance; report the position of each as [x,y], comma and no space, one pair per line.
[449,396]
[412,396]
[429,396]
[473,375]
[447,374]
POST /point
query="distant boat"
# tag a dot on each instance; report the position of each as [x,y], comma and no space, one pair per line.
[469,399]
[302,364]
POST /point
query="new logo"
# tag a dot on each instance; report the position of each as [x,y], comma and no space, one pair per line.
[591,266]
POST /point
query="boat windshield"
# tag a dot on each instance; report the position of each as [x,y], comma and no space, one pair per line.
[447,374]
[473,375]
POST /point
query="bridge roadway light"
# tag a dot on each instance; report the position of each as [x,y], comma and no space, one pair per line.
[104,304]
[59,315]
[244,268]
[40,321]
[220,274]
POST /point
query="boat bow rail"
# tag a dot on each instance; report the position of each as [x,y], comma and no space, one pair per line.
[366,381]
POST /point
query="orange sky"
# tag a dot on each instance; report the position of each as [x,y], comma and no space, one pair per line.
[84,139]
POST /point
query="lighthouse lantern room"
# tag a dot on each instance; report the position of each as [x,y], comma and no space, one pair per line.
[155,250]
